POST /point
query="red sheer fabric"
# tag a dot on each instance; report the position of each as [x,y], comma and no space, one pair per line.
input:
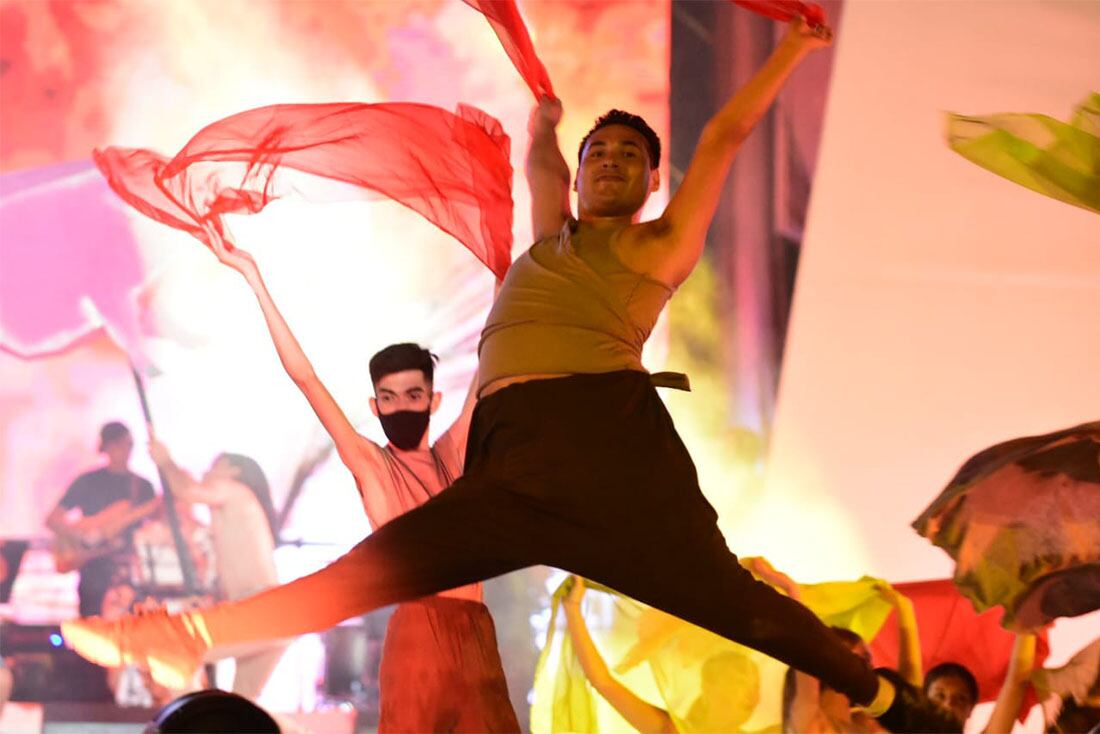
[785,10]
[504,16]
[952,632]
[453,168]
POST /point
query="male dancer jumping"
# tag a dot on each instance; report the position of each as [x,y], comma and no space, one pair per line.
[573,460]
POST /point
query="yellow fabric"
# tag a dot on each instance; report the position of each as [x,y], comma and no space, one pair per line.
[1059,159]
[705,682]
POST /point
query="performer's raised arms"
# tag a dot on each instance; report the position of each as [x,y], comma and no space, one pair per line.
[547,171]
[348,442]
[669,247]
[439,659]
[618,169]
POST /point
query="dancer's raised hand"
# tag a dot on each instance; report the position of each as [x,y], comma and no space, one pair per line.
[544,116]
[349,444]
[576,592]
[228,253]
[808,36]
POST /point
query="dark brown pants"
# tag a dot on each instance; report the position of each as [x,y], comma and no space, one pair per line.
[584,473]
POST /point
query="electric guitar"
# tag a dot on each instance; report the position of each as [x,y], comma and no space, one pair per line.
[71,551]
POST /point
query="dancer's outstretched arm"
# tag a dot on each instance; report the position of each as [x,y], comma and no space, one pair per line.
[806,701]
[643,716]
[1011,696]
[669,247]
[547,171]
[349,444]
[910,664]
[184,487]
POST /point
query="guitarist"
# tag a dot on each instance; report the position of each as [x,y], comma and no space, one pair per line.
[111,500]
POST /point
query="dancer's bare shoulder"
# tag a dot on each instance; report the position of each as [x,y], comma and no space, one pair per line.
[370,454]
[650,248]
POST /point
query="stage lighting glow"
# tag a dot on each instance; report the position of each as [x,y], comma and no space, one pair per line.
[350,277]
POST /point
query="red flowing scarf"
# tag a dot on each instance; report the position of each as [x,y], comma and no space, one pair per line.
[952,632]
[453,168]
[785,10]
[504,16]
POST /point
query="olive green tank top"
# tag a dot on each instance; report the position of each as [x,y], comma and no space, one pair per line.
[569,306]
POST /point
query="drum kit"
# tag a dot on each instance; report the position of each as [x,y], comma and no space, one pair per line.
[155,568]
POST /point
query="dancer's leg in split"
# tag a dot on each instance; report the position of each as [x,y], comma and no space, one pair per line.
[699,580]
[626,496]
[465,534]
[459,537]
[640,524]
[702,582]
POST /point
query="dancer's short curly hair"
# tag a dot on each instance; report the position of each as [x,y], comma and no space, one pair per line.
[619,117]
[401,357]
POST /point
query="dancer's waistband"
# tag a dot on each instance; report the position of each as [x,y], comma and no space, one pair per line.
[672,380]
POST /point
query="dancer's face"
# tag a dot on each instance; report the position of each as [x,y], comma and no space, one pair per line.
[222,468]
[118,450]
[405,390]
[949,692]
[614,178]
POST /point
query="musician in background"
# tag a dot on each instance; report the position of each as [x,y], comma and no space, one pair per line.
[111,501]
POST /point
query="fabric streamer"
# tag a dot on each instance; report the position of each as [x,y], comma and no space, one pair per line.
[952,632]
[678,666]
[1058,159]
[1021,519]
[785,10]
[452,168]
[1077,680]
[682,668]
[504,17]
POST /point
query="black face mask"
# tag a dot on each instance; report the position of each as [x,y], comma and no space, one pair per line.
[405,428]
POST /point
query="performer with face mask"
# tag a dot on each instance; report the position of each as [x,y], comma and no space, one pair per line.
[440,668]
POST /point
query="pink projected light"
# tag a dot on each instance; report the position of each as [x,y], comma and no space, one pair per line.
[69,263]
